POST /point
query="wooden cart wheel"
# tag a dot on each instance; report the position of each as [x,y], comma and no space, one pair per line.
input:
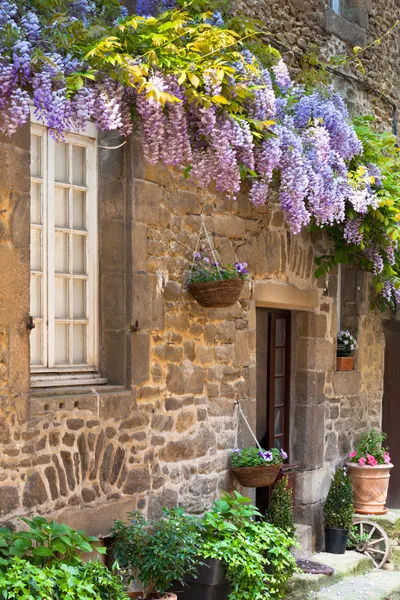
[373,541]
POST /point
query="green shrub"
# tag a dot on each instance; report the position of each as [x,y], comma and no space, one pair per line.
[46,542]
[280,512]
[339,509]
[157,553]
[256,554]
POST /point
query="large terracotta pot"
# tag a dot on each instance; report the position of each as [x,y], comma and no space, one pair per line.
[370,488]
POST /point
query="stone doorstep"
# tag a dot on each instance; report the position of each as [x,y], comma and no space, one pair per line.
[377,585]
[346,565]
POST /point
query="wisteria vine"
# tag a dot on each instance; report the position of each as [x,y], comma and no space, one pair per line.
[206,102]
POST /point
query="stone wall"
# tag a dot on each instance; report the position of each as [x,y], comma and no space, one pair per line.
[160,433]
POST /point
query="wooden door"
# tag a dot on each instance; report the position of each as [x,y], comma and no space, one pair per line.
[273,383]
[391,407]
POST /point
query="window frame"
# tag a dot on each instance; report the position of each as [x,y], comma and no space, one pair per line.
[49,373]
[336,6]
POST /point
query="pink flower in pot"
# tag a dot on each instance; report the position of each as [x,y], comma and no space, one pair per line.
[353,454]
[386,458]
[371,460]
[362,461]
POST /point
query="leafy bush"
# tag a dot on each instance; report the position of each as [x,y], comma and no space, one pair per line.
[256,554]
[157,553]
[280,512]
[46,542]
[46,562]
[253,457]
[58,581]
[339,509]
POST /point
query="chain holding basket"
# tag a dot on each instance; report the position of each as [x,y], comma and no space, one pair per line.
[212,285]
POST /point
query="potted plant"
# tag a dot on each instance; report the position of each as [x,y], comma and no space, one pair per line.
[338,513]
[346,344]
[248,557]
[214,285]
[254,467]
[369,471]
[46,561]
[156,554]
[280,511]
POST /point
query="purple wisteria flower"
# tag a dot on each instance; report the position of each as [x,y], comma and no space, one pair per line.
[197,255]
[284,454]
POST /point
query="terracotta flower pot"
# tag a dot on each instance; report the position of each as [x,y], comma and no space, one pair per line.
[345,363]
[370,488]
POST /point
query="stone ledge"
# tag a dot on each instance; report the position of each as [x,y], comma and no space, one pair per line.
[271,294]
[103,401]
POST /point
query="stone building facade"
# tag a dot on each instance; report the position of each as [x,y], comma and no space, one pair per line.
[159,432]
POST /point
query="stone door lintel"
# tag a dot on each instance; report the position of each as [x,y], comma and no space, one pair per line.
[286,296]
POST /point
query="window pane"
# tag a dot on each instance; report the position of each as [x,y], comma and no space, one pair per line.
[279,388]
[79,299]
[79,165]
[61,207]
[35,339]
[278,443]
[61,344]
[278,429]
[61,162]
[280,361]
[61,253]
[36,296]
[79,344]
[36,249]
[79,220]
[61,298]
[36,203]
[79,254]
[36,156]
[280,332]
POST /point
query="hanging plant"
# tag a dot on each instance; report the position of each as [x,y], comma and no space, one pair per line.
[214,285]
[256,467]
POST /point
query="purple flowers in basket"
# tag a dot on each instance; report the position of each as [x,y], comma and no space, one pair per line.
[205,269]
[254,457]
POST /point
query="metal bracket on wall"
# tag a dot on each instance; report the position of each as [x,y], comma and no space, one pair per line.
[134,327]
[30,325]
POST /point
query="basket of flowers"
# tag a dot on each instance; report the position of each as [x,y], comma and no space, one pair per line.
[214,285]
[255,467]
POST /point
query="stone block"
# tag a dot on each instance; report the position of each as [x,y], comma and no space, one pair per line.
[116,406]
[228,226]
[187,379]
[140,357]
[309,438]
[309,387]
[312,486]
[186,202]
[9,499]
[343,29]
[147,304]
[184,421]
[34,491]
[346,383]
[113,301]
[111,198]
[147,198]
[221,408]
[167,499]
[189,448]
[311,325]
[245,347]
[138,481]
[112,245]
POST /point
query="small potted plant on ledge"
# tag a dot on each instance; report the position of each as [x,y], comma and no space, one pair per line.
[214,285]
[157,554]
[369,471]
[346,344]
[255,467]
[338,513]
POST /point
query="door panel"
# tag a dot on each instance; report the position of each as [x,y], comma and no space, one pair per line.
[391,407]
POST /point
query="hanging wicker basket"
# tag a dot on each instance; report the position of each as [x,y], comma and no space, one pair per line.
[217,294]
[255,477]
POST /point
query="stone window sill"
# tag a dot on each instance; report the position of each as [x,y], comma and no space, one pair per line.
[105,401]
[351,27]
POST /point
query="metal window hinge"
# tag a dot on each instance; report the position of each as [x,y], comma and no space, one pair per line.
[30,325]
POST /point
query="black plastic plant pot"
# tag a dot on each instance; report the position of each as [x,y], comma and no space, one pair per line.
[210,584]
[343,350]
[336,540]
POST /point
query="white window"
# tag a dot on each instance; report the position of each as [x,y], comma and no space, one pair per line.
[336,6]
[64,278]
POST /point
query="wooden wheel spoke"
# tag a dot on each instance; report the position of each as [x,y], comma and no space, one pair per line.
[374,542]
[371,533]
[375,551]
[372,558]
